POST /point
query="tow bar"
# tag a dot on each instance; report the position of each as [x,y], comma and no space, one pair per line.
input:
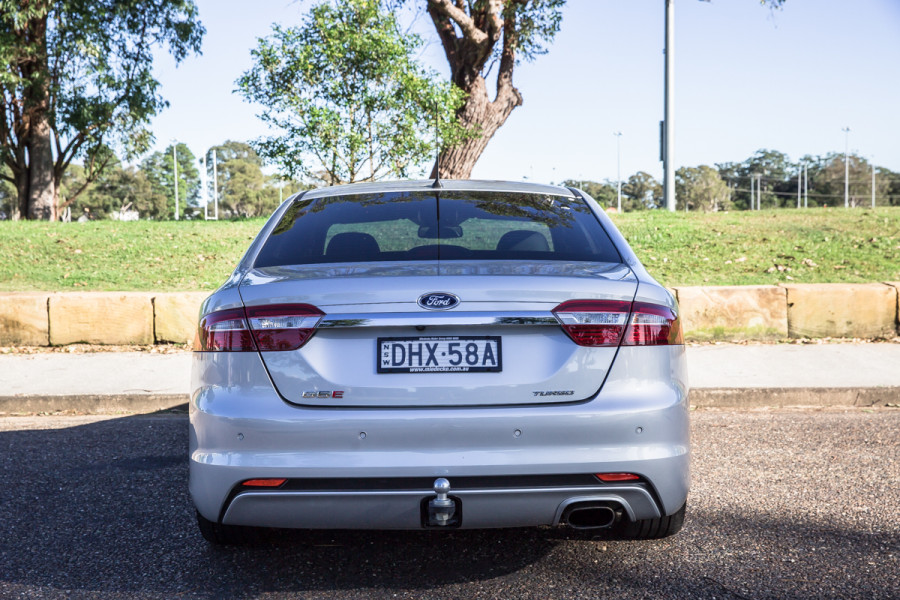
[442,510]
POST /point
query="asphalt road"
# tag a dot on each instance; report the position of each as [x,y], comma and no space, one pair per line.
[784,504]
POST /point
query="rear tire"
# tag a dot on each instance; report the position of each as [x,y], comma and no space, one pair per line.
[651,529]
[228,535]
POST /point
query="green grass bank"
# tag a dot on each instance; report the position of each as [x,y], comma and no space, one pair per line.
[831,245]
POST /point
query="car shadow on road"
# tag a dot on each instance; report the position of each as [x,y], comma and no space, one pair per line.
[103,509]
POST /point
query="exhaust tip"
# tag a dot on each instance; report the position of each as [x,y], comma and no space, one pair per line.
[589,515]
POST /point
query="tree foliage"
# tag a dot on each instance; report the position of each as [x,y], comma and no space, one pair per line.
[701,189]
[244,190]
[124,189]
[778,180]
[76,79]
[604,192]
[641,191]
[347,96]
[159,167]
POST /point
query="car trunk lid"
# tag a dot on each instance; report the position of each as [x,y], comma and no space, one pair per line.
[505,308]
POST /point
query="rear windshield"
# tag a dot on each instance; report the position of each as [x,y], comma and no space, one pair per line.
[454,225]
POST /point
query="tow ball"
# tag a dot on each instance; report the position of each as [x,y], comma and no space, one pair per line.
[442,510]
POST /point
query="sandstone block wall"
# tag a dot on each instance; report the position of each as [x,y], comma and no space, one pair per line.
[175,316]
[869,310]
[733,312]
[24,320]
[118,318]
[854,310]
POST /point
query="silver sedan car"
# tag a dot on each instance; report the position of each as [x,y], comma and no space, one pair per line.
[439,355]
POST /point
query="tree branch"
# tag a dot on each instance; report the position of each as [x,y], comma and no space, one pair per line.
[465,22]
[505,87]
[447,34]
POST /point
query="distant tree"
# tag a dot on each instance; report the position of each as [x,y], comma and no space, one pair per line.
[118,188]
[244,191]
[347,95]
[777,174]
[892,197]
[603,192]
[128,188]
[641,191]
[827,182]
[76,77]
[701,189]
[159,168]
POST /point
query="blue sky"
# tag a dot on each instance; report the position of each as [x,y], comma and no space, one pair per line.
[746,78]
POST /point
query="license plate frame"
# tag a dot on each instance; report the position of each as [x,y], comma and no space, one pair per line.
[436,351]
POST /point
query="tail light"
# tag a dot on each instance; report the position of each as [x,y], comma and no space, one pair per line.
[607,323]
[224,331]
[283,326]
[597,323]
[653,325]
[267,328]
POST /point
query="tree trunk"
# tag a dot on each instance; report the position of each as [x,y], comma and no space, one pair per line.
[20,206]
[42,191]
[478,113]
[37,192]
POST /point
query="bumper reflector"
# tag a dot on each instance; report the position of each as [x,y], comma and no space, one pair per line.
[269,482]
[613,477]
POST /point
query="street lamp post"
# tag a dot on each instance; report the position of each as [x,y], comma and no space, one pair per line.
[873,182]
[846,131]
[204,191]
[805,185]
[175,167]
[618,135]
[215,187]
[667,129]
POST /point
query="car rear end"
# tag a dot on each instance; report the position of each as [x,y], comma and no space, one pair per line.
[400,357]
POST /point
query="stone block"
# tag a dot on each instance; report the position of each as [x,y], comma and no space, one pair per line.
[745,312]
[23,319]
[852,310]
[175,316]
[119,318]
[896,286]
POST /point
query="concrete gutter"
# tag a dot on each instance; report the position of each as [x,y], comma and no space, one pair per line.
[720,375]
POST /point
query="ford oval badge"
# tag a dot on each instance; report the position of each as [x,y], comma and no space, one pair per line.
[437,301]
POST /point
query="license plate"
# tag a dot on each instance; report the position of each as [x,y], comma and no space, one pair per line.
[476,354]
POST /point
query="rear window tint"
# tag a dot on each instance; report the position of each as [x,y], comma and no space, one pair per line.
[453,225]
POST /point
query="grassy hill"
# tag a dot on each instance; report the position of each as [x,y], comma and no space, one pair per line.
[738,248]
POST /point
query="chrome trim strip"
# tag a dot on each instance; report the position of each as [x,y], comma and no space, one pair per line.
[429,319]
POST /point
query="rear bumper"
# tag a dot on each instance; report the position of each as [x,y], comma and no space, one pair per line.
[480,508]
[241,429]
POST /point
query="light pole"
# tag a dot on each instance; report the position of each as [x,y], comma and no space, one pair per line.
[215,187]
[668,134]
[204,191]
[175,167]
[873,182]
[618,135]
[846,131]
